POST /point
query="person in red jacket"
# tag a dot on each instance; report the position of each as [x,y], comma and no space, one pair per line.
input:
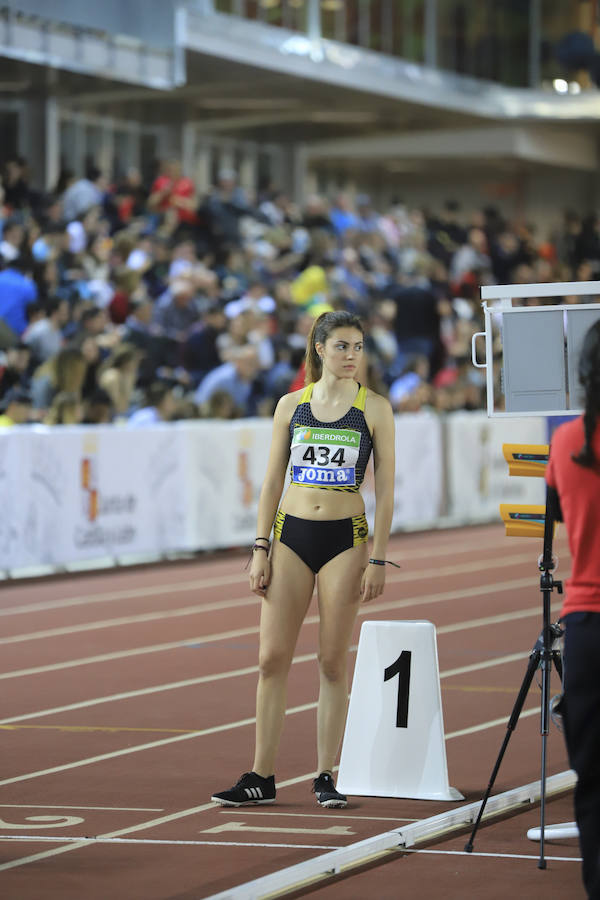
[173,190]
[574,472]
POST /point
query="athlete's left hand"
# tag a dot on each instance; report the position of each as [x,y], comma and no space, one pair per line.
[372,583]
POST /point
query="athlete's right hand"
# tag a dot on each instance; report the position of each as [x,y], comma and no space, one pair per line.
[260,573]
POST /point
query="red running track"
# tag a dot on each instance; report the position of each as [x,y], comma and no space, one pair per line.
[128,698]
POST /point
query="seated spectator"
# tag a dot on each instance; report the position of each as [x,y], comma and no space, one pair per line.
[342,215]
[118,376]
[92,323]
[126,283]
[411,390]
[174,191]
[200,354]
[11,245]
[130,196]
[45,337]
[177,310]
[14,367]
[159,406]
[225,205]
[98,408]
[92,354]
[15,181]
[83,194]
[17,289]
[157,349]
[221,405]
[15,408]
[236,377]
[66,409]
[64,372]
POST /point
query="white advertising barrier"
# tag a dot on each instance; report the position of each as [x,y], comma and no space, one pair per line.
[74,494]
[225,467]
[394,739]
[419,483]
[82,493]
[477,473]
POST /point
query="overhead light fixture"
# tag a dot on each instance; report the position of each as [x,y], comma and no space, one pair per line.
[560,86]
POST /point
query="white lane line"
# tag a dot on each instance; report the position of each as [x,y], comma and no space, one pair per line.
[200,608]
[153,590]
[495,855]
[153,823]
[442,548]
[101,808]
[228,811]
[151,745]
[100,840]
[524,714]
[142,692]
[138,619]
[215,729]
[367,610]
[234,673]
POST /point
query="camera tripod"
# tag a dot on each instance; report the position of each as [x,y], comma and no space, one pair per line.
[543,656]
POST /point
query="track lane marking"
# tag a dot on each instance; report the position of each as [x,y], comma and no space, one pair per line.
[442,548]
[495,855]
[153,823]
[216,729]
[100,808]
[101,840]
[368,609]
[175,843]
[306,657]
[199,608]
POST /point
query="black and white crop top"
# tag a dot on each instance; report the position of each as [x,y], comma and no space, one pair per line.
[330,455]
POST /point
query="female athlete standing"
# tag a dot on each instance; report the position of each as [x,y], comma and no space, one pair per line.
[327,432]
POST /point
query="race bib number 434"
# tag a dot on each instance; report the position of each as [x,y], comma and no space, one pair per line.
[324,456]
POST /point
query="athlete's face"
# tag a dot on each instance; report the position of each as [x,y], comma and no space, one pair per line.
[342,351]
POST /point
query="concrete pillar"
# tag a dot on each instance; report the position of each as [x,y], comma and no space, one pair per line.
[52,143]
[32,138]
[248,173]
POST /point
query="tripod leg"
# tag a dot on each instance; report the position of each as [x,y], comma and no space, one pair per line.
[544,732]
[552,657]
[512,724]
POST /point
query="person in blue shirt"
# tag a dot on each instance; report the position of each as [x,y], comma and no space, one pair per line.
[17,290]
[236,377]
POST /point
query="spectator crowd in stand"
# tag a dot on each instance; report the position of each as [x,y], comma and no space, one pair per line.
[140,304]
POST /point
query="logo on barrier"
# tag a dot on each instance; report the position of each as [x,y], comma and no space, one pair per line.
[89,487]
[96,505]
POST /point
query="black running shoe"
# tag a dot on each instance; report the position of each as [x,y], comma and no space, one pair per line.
[324,789]
[250,789]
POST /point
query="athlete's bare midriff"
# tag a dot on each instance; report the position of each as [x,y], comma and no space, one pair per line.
[316,503]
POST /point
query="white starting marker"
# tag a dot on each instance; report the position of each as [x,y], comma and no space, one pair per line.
[554,832]
[394,739]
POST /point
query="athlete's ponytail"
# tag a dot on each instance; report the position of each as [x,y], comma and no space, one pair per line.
[320,331]
[589,376]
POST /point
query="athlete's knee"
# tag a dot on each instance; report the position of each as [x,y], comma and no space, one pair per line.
[332,666]
[273,662]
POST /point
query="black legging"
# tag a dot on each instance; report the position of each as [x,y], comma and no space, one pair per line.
[582,732]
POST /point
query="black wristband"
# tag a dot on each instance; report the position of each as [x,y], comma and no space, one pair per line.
[262,539]
[382,562]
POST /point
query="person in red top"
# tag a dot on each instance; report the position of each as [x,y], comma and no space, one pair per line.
[172,190]
[573,471]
